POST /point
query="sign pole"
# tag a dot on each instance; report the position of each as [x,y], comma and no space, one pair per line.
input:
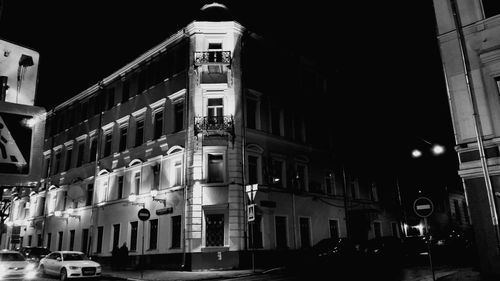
[429,248]
[142,256]
[423,208]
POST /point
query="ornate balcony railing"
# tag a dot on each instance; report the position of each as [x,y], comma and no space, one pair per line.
[212,57]
[214,125]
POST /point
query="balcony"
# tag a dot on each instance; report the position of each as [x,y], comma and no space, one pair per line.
[214,125]
[212,58]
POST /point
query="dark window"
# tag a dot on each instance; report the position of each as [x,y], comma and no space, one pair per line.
[491,8]
[81,151]
[153,234]
[49,239]
[60,240]
[377,228]
[67,165]
[215,168]
[334,229]
[71,239]
[281,232]
[30,237]
[466,212]
[125,91]
[277,179]
[123,138]
[176,231]
[85,239]
[108,138]
[39,240]
[276,122]
[93,149]
[328,183]
[458,214]
[179,116]
[100,231]
[305,235]
[137,180]
[90,194]
[215,230]
[158,124]
[139,132]
[252,169]
[133,236]
[58,162]
[116,235]
[251,114]
[47,167]
[120,187]
[256,239]
[111,98]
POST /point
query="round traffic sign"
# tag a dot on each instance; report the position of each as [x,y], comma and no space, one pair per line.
[423,207]
[143,214]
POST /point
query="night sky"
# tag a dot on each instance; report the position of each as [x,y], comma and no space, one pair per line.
[381,59]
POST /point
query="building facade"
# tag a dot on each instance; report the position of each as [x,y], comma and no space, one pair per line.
[182,131]
[468,35]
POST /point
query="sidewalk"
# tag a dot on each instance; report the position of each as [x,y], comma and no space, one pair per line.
[169,275]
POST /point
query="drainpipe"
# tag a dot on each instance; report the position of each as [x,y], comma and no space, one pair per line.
[345,205]
[477,121]
[186,169]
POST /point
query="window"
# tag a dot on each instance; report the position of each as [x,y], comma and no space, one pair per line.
[120,188]
[93,149]
[458,214]
[251,114]
[276,122]
[301,177]
[125,91]
[49,239]
[176,232]
[328,183]
[116,236]
[215,107]
[123,138]
[491,8]
[58,162]
[466,212]
[377,229]
[30,237]
[67,165]
[71,239]
[178,116]
[305,234]
[215,168]
[133,236]
[85,239]
[158,124]
[139,132]
[214,235]
[256,239]
[277,170]
[374,192]
[47,166]
[100,231]
[108,138]
[137,182]
[253,174]
[81,151]
[178,173]
[394,227]
[111,98]
[59,240]
[39,240]
[281,232]
[153,234]
[90,194]
[334,229]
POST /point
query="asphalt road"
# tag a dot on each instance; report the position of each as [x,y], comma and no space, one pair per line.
[51,278]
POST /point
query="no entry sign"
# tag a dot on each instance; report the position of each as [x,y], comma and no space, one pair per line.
[143,214]
[423,207]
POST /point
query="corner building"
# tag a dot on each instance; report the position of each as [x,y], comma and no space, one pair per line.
[182,130]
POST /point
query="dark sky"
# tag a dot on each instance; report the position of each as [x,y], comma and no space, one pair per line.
[381,57]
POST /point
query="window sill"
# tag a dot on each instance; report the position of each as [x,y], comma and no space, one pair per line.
[214,249]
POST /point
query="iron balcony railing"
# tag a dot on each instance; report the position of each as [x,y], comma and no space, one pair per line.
[212,57]
[210,125]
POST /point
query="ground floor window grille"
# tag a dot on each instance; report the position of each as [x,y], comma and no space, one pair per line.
[214,230]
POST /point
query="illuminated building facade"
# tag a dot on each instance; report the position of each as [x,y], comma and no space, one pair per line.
[468,35]
[182,130]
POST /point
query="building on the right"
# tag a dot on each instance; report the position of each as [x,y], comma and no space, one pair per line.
[468,33]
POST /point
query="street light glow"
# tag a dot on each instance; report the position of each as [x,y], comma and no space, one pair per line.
[437,149]
[132,197]
[416,153]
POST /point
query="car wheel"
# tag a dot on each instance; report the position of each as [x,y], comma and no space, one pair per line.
[41,270]
[64,274]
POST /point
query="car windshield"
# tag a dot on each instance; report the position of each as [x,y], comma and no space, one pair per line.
[11,257]
[37,251]
[74,257]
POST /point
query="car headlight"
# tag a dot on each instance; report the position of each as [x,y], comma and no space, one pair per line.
[73,267]
[30,267]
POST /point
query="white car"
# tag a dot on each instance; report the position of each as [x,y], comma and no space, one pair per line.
[68,265]
[13,266]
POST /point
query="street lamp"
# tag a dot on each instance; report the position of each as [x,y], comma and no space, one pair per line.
[132,198]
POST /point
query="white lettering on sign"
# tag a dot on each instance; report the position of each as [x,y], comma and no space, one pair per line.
[423,207]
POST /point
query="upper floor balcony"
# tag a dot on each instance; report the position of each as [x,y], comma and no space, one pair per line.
[212,58]
[214,125]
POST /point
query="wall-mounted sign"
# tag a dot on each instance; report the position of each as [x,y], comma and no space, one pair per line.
[164,211]
[20,67]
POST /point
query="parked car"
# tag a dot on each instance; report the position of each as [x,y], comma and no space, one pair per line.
[384,258]
[13,266]
[34,254]
[68,265]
